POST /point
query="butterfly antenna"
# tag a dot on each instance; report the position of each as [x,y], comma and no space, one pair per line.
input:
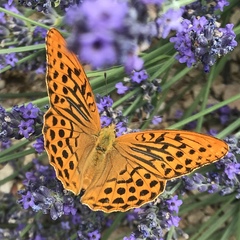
[105,77]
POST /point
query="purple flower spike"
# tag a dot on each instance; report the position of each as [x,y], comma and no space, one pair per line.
[200,40]
[20,122]
[104,37]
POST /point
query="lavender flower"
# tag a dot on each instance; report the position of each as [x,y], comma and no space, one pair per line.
[108,116]
[137,79]
[153,220]
[156,120]
[4,144]
[201,40]
[39,144]
[132,63]
[140,76]
[121,128]
[232,170]
[40,6]
[105,121]
[22,121]
[39,197]
[43,193]
[220,4]
[171,20]
[174,203]
[28,200]
[95,235]
[103,37]
[149,91]
[103,103]
[224,114]
[17,33]
[121,89]
[11,59]
[30,111]
[26,128]
[98,49]
[158,2]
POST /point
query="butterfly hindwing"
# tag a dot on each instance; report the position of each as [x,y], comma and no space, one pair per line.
[124,185]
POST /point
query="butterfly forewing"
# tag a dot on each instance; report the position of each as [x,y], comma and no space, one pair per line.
[68,87]
[72,115]
[171,153]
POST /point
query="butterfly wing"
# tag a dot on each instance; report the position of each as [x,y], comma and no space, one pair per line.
[72,121]
[140,164]
[171,153]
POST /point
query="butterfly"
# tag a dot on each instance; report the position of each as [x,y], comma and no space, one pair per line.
[116,174]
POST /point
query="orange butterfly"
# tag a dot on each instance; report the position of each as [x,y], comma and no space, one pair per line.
[117,174]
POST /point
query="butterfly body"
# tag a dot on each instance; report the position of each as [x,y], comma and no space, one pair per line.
[116,174]
[96,161]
